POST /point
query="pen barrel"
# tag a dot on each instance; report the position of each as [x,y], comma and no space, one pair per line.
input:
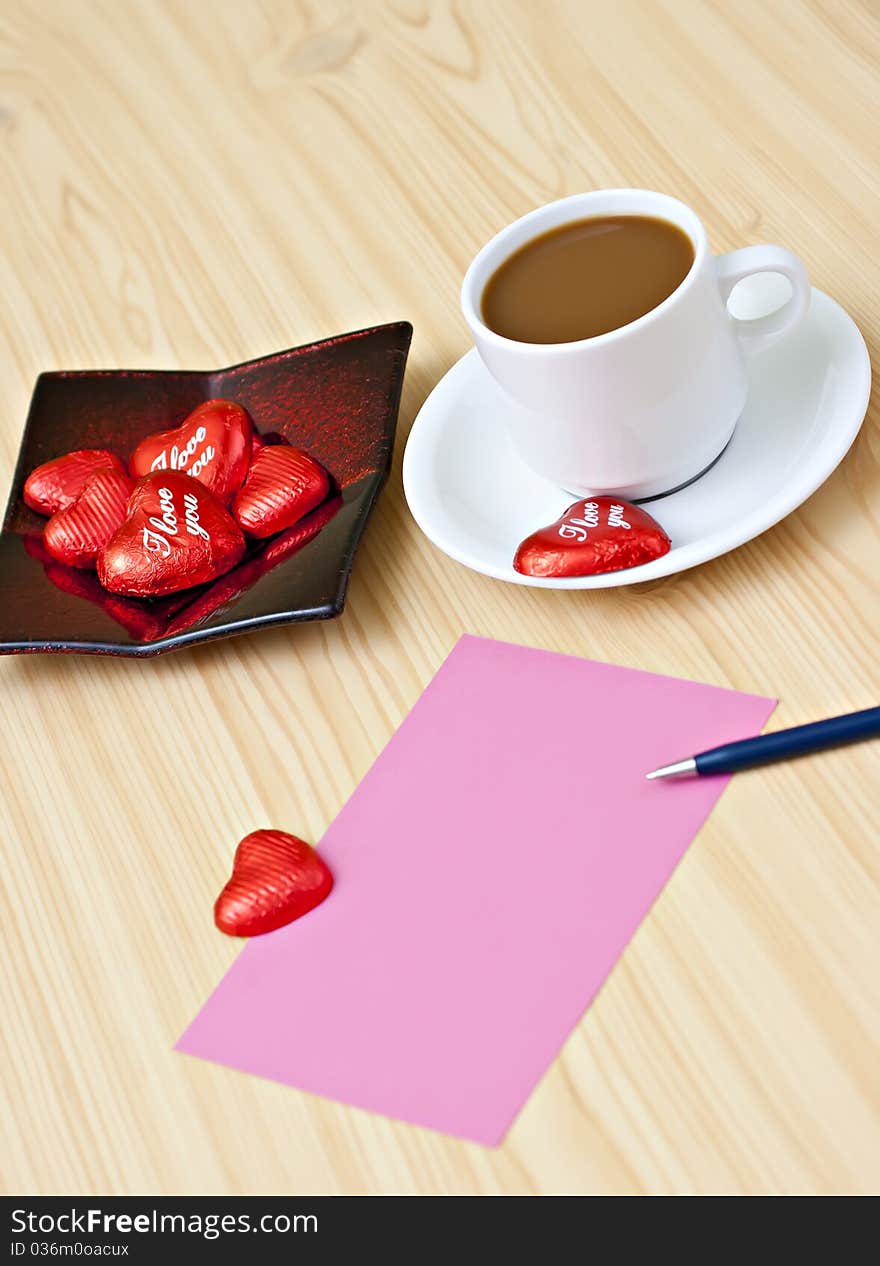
[785,744]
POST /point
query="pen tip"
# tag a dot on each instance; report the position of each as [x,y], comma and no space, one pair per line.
[677,770]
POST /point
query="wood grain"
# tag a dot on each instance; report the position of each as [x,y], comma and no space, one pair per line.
[192,184]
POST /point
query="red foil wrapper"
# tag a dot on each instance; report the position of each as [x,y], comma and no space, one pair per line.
[276,878]
[175,535]
[213,445]
[283,485]
[599,534]
[76,534]
[57,484]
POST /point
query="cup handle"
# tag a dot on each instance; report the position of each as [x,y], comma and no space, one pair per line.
[736,265]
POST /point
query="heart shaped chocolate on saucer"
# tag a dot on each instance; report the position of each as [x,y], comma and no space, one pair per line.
[599,534]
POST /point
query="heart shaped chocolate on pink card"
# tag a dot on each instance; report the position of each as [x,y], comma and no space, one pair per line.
[276,878]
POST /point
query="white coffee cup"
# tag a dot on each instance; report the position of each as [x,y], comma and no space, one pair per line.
[648,407]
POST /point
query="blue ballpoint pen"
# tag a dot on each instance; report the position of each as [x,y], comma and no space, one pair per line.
[780,745]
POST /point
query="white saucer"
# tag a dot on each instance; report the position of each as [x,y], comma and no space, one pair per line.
[476,500]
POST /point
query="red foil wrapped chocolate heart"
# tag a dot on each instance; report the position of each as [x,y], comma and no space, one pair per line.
[276,878]
[282,485]
[213,445]
[175,535]
[56,484]
[599,534]
[76,534]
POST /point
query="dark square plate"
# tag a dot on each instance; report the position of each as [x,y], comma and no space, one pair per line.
[338,399]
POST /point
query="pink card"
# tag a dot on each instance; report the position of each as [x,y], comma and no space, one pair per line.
[490,870]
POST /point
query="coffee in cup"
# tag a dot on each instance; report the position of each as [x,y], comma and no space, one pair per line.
[586,278]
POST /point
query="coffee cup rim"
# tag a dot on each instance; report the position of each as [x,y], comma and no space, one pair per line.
[615,202]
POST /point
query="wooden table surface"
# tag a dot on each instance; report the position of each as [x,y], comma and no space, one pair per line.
[193,184]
